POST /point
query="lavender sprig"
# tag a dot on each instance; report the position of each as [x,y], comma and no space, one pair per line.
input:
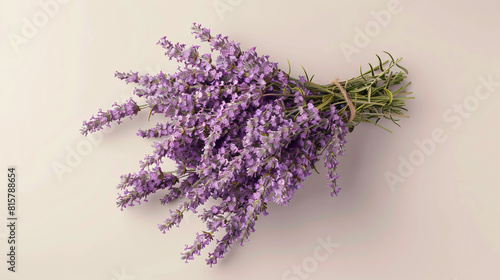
[119,112]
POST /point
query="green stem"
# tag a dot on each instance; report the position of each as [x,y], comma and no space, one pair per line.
[370,93]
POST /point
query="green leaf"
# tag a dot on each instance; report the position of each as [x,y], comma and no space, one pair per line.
[307,76]
[392,58]
[150,112]
[388,82]
[369,94]
[402,68]
[401,88]
[325,102]
[394,121]
[362,75]
[378,125]
[325,98]
[390,95]
[380,62]
[314,167]
[360,89]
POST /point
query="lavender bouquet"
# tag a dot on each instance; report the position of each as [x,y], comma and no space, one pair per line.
[242,132]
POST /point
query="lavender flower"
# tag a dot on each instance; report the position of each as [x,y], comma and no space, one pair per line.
[143,184]
[242,132]
[129,108]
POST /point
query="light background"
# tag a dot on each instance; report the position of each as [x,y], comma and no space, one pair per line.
[441,222]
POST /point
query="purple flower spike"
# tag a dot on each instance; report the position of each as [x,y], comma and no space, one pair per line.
[119,112]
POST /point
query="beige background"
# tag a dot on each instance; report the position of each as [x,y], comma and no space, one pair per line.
[441,222]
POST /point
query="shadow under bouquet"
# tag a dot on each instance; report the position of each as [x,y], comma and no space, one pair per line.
[242,133]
